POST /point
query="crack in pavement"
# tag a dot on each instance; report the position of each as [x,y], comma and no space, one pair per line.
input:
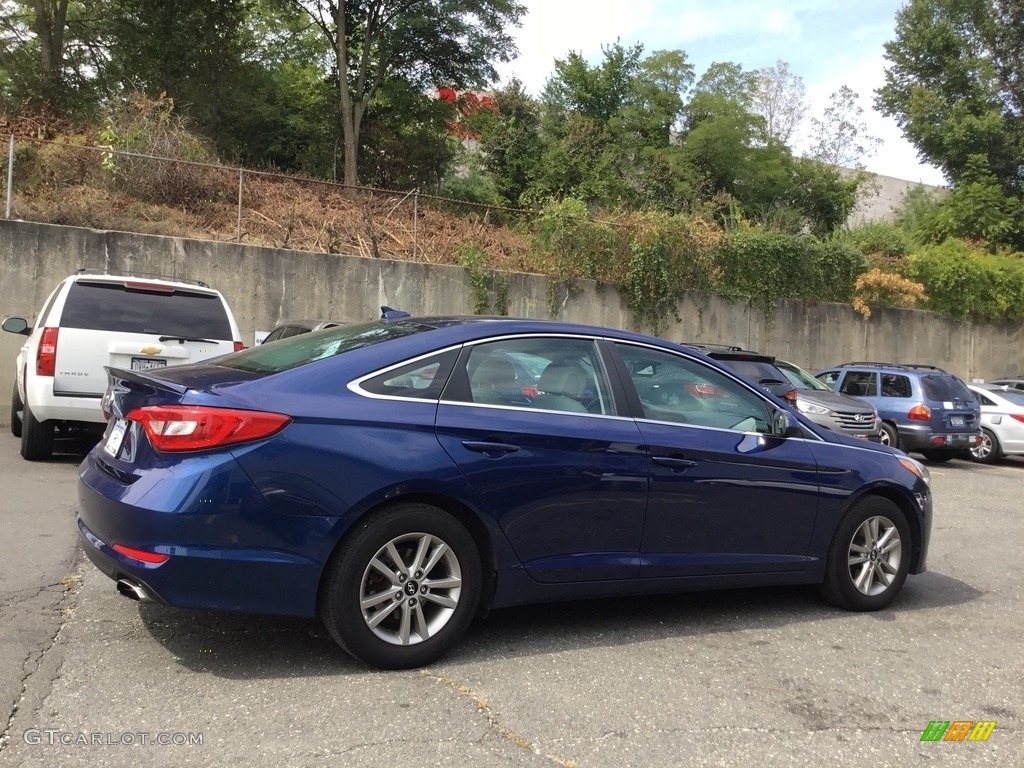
[34,659]
[484,707]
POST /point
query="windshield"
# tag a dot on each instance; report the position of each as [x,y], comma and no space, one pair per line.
[308,347]
[800,378]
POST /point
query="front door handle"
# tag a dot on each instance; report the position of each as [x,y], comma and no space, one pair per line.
[675,464]
[491,450]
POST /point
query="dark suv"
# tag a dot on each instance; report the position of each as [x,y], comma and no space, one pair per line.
[922,408]
[801,390]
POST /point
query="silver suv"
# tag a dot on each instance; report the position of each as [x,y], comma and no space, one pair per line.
[90,321]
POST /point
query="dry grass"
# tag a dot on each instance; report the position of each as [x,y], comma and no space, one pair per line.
[64,182]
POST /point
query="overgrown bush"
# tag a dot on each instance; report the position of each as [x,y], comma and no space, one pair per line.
[887,289]
[964,281]
[767,266]
[151,127]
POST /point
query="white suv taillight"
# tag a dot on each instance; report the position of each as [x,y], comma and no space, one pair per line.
[46,354]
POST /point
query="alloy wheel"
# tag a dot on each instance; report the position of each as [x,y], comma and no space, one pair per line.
[875,554]
[410,589]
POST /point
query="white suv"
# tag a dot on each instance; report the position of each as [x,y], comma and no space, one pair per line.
[95,320]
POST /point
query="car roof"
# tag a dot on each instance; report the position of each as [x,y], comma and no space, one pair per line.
[729,352]
[89,275]
[910,367]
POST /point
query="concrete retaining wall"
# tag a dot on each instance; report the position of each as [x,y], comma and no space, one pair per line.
[265,286]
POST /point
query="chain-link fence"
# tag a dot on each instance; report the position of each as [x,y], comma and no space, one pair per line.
[102,188]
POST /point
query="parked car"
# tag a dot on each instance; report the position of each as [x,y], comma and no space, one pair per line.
[1011,382]
[808,395]
[312,476]
[1002,422]
[94,320]
[297,327]
[922,408]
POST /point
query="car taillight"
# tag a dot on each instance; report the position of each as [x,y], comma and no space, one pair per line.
[530,391]
[196,428]
[1017,417]
[46,354]
[920,413]
[790,397]
[704,391]
[239,346]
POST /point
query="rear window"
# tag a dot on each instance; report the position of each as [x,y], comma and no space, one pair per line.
[306,348]
[755,369]
[1014,396]
[938,387]
[113,307]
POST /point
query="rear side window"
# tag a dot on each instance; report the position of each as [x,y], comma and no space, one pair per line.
[113,307]
[894,385]
[938,387]
[860,384]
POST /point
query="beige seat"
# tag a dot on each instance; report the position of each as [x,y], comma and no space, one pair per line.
[560,388]
[493,381]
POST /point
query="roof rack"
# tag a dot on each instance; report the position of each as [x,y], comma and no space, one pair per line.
[151,275]
[923,366]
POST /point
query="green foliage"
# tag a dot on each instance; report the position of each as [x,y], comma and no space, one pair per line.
[582,248]
[953,82]
[963,281]
[489,287]
[976,209]
[884,240]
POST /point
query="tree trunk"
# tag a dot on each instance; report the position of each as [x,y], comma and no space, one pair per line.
[50,18]
[349,126]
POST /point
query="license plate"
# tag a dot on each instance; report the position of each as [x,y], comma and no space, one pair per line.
[115,437]
[147,363]
[956,421]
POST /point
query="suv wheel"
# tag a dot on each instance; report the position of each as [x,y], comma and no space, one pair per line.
[36,437]
[16,409]
[887,435]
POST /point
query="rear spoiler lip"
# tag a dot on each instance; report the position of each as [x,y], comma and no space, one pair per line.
[144,377]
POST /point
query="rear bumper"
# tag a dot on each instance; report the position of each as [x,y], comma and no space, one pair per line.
[46,406]
[237,556]
[914,438]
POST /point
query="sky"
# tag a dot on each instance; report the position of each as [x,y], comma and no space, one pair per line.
[828,43]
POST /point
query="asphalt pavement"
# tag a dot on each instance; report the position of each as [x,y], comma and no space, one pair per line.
[770,677]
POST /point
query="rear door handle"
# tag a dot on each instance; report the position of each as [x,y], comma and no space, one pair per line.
[492,450]
[673,463]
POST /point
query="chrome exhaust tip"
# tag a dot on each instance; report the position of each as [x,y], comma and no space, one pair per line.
[133,591]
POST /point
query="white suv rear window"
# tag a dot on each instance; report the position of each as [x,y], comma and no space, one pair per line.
[127,309]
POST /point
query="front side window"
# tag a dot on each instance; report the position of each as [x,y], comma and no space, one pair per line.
[550,373]
[684,391]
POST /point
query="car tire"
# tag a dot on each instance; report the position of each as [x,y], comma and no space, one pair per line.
[384,610]
[36,437]
[988,451]
[871,544]
[939,457]
[16,410]
[888,435]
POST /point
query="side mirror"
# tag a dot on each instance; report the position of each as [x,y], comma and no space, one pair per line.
[17,325]
[786,425]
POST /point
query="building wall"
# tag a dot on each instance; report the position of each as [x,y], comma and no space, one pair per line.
[266,286]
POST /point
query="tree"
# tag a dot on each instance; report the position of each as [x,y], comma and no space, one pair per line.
[779,97]
[840,136]
[427,44]
[953,84]
[47,50]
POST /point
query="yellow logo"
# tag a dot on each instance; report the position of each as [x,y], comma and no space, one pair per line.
[151,350]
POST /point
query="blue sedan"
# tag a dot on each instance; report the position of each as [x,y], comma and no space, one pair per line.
[397,479]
